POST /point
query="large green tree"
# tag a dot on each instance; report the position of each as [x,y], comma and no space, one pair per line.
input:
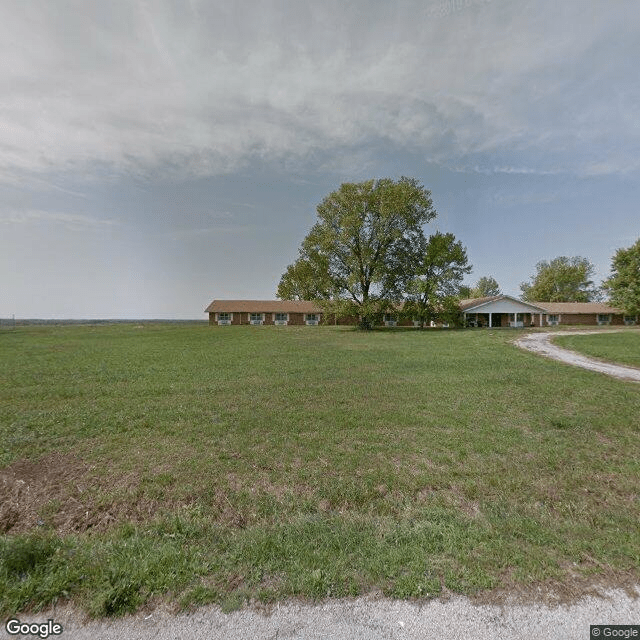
[305,280]
[623,286]
[562,279]
[360,254]
[485,287]
[432,294]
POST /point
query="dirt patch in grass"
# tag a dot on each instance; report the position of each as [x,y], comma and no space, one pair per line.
[575,583]
[64,493]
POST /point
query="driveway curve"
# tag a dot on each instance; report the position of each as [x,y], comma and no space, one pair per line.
[541,344]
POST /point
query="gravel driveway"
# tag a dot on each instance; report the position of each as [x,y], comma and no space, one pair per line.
[541,343]
[368,618]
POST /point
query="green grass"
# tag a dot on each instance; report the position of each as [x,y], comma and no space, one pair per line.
[225,464]
[621,347]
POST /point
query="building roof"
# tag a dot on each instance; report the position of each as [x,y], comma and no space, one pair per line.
[477,303]
[263,306]
[308,306]
[548,307]
[467,303]
[578,307]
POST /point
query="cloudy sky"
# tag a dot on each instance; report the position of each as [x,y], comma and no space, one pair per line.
[155,155]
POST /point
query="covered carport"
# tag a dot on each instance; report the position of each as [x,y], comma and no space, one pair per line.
[501,311]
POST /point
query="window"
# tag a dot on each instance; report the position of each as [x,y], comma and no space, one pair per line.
[256,318]
[224,318]
[389,320]
[604,318]
[518,320]
[281,318]
[628,320]
[311,318]
[553,319]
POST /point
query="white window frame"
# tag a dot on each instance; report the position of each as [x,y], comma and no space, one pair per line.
[416,323]
[256,322]
[312,319]
[553,319]
[601,318]
[280,321]
[390,320]
[224,321]
[630,320]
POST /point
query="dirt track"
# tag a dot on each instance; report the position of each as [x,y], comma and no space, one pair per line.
[541,343]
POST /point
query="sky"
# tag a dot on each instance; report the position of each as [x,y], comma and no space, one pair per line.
[157,155]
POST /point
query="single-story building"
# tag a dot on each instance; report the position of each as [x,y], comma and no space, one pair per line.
[505,311]
[500,311]
[589,313]
[282,312]
[492,311]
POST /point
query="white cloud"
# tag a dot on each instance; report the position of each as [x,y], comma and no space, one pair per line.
[204,88]
[69,220]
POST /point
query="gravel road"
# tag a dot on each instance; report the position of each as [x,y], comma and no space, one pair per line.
[367,618]
[541,343]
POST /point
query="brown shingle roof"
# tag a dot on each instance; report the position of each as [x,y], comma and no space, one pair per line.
[263,306]
[307,306]
[578,307]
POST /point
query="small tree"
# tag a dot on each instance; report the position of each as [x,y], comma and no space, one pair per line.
[433,293]
[623,286]
[485,287]
[358,257]
[561,280]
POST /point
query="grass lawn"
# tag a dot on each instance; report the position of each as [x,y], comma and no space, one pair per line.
[621,347]
[206,464]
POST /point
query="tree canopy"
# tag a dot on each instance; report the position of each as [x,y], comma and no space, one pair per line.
[305,280]
[562,279]
[485,287]
[623,286]
[432,294]
[361,253]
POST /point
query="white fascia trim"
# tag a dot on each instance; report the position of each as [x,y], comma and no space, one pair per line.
[526,304]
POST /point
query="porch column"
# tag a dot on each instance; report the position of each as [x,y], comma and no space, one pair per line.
[540,319]
[490,314]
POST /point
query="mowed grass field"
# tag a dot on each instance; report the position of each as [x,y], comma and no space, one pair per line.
[203,464]
[621,347]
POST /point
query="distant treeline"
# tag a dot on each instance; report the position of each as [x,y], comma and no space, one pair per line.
[21,322]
